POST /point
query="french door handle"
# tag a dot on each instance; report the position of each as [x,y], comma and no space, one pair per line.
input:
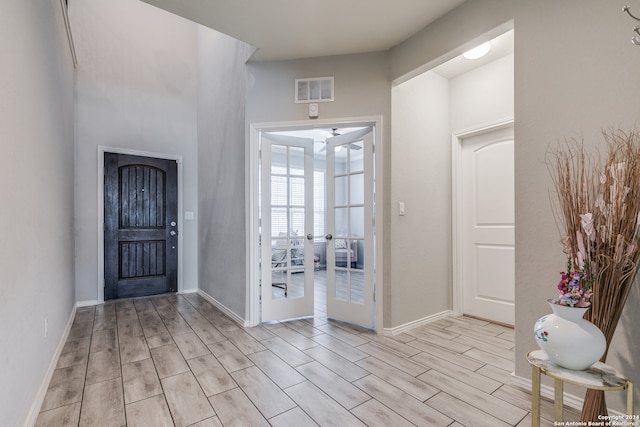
[328,237]
[309,236]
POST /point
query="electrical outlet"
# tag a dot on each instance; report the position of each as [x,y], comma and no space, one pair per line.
[46,327]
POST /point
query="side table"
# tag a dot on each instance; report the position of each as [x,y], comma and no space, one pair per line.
[599,376]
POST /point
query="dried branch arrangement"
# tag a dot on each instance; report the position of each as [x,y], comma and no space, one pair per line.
[598,211]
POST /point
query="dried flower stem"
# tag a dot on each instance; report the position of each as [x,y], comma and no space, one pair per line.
[609,190]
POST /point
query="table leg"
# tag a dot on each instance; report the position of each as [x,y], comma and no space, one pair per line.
[535,396]
[558,391]
[629,398]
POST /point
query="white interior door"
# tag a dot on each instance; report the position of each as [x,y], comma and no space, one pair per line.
[286,227]
[349,239]
[488,261]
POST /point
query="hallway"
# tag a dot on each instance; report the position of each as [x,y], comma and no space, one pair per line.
[177,360]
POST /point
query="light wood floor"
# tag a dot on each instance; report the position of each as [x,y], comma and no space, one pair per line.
[177,360]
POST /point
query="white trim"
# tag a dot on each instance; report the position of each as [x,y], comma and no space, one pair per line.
[456,204]
[253,279]
[32,417]
[233,316]
[88,303]
[100,201]
[417,323]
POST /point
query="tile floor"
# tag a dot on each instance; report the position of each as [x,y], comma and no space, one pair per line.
[176,360]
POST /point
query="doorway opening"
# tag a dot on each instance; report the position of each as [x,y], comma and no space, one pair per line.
[313,228]
[458,100]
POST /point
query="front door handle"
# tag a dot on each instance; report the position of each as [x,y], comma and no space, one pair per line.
[173,233]
[328,237]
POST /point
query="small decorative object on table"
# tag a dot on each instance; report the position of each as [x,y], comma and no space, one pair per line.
[568,339]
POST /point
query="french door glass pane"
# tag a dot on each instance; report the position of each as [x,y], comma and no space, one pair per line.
[356,282]
[356,159]
[356,189]
[356,219]
[297,191]
[341,162]
[278,190]
[341,221]
[296,161]
[278,221]
[297,221]
[342,285]
[341,190]
[278,159]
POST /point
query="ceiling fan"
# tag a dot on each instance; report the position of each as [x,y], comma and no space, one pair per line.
[333,134]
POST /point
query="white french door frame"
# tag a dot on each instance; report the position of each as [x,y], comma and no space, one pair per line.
[457,206]
[253,248]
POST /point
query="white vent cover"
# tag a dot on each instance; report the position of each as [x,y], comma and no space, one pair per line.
[317,89]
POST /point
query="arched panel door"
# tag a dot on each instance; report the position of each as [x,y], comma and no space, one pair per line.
[140,228]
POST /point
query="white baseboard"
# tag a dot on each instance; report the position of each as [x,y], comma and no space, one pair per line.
[87,303]
[416,323]
[239,320]
[189,291]
[44,386]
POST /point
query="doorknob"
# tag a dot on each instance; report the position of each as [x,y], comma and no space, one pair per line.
[328,237]
[173,232]
[309,236]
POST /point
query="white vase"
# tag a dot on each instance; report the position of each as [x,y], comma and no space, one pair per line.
[569,340]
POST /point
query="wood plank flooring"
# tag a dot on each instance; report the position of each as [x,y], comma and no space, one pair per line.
[176,360]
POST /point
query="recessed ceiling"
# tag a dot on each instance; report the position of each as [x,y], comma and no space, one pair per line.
[500,46]
[290,29]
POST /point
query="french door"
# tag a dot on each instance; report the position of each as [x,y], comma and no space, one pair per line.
[286,227]
[350,273]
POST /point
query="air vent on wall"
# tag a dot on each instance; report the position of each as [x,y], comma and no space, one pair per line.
[318,89]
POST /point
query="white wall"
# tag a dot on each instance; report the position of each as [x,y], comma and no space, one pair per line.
[562,88]
[427,109]
[362,88]
[222,213]
[420,283]
[137,89]
[482,97]
[36,198]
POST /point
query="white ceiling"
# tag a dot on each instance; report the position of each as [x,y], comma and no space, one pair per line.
[290,29]
[500,46]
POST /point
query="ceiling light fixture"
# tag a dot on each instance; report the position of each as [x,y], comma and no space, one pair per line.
[478,51]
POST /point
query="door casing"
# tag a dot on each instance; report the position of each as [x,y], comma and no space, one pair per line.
[100,225]
[457,206]
[253,278]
